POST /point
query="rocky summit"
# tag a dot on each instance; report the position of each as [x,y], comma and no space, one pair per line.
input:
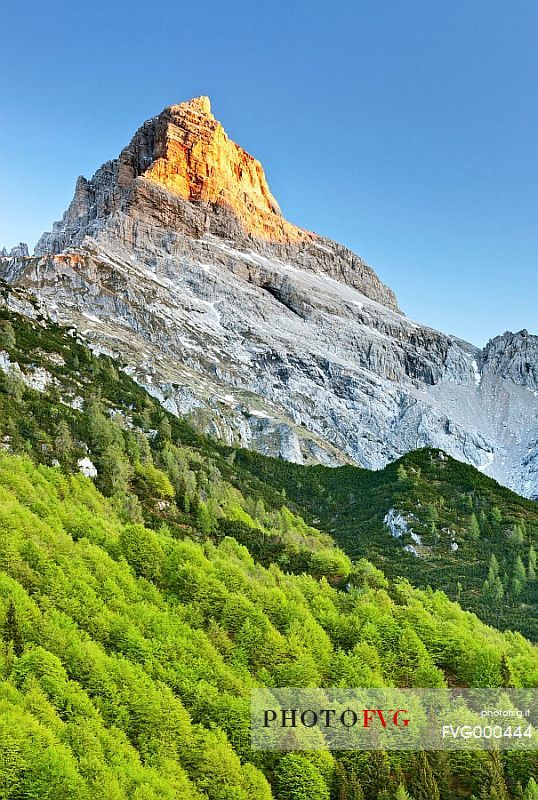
[176,259]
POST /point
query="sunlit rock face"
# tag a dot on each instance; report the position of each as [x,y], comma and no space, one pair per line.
[195,159]
[186,151]
[175,258]
[182,176]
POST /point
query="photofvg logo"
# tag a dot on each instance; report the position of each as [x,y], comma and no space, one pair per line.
[394,719]
[328,717]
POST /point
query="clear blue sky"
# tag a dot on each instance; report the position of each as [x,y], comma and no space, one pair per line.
[406,129]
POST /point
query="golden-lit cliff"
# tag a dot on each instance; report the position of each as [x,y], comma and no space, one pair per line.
[182,188]
[198,161]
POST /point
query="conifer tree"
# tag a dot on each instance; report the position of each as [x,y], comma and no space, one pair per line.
[517,534]
[519,576]
[12,634]
[63,443]
[165,431]
[494,784]
[474,528]
[377,775]
[355,791]
[203,518]
[506,672]
[519,570]
[518,791]
[423,785]
[347,783]
[402,793]
[493,570]
[298,779]
[532,564]
[401,473]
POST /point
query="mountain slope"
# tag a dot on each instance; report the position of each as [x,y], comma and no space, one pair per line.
[133,625]
[176,259]
[128,655]
[428,518]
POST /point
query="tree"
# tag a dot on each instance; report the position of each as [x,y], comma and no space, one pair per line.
[493,590]
[102,432]
[164,431]
[519,570]
[8,340]
[474,528]
[63,444]
[115,471]
[496,514]
[532,564]
[517,534]
[401,473]
[493,570]
[415,666]
[377,773]
[142,550]
[519,575]
[348,785]
[506,672]
[150,482]
[331,563]
[298,779]
[422,783]
[12,634]
[494,787]
[401,793]
[517,793]
[128,507]
[203,518]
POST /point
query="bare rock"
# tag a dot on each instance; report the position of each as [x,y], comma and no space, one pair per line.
[176,258]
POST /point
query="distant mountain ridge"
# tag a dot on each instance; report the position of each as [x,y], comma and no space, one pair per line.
[176,259]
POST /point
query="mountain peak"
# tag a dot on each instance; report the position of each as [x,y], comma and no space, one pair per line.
[200,104]
[185,153]
[196,160]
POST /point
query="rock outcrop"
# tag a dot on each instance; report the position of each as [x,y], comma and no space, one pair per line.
[20,249]
[175,258]
[513,356]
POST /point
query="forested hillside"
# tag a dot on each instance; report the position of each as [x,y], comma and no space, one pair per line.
[431,519]
[139,607]
[128,655]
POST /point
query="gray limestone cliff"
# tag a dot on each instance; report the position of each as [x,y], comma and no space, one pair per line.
[176,258]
